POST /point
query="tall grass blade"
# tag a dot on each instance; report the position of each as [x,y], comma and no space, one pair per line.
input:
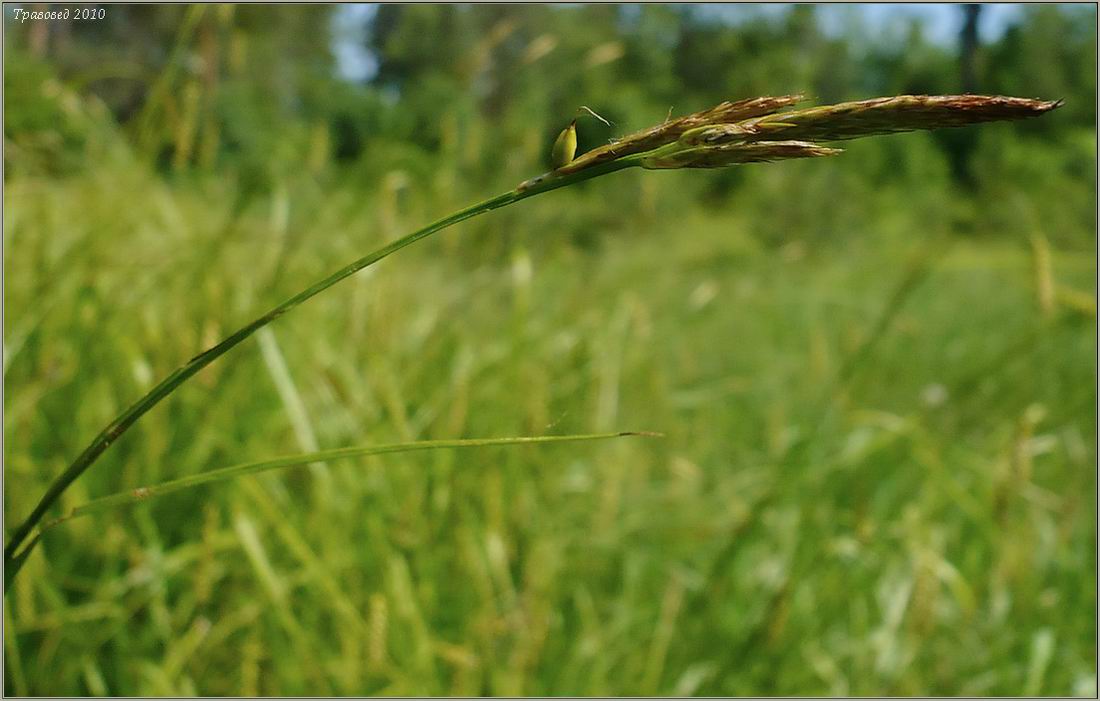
[134,496]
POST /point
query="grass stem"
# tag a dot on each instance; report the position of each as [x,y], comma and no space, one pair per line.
[169,384]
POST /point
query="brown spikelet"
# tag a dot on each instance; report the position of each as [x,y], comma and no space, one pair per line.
[735,154]
[670,131]
[889,115]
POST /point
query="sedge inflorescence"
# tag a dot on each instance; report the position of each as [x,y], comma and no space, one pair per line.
[762,129]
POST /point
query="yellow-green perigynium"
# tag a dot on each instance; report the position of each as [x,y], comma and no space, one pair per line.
[565,146]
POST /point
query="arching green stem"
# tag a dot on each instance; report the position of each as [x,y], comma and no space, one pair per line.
[169,384]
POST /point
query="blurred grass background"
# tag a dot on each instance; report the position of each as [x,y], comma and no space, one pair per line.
[876,373]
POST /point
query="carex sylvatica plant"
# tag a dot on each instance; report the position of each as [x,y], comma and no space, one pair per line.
[754,130]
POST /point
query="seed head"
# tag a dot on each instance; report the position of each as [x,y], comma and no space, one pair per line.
[671,130]
[890,115]
[757,130]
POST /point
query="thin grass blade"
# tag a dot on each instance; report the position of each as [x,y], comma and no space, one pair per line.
[139,494]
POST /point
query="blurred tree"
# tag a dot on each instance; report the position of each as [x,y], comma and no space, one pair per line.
[959,144]
[413,42]
[1049,51]
[968,47]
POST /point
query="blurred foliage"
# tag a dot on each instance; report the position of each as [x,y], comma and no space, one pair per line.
[482,89]
[876,372]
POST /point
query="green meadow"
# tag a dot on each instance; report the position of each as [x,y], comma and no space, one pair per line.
[874,374]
